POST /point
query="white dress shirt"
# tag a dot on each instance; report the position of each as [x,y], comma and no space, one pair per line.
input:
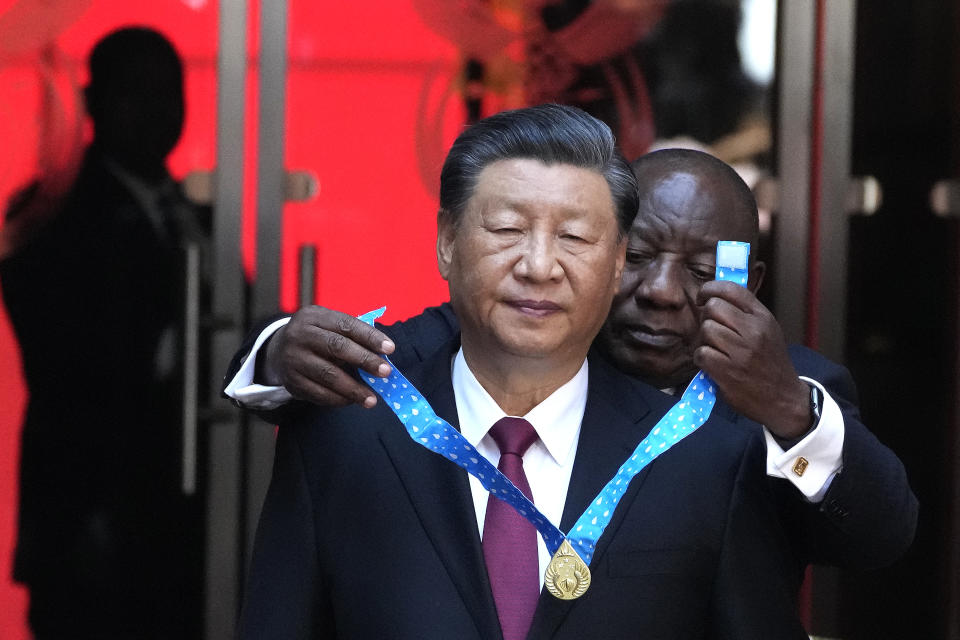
[821,448]
[548,462]
[242,387]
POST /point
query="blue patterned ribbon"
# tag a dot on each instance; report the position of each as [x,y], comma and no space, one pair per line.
[427,429]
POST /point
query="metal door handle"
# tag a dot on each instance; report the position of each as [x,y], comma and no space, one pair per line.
[945,198]
[191,367]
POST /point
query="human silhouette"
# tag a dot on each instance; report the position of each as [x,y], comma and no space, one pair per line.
[104,541]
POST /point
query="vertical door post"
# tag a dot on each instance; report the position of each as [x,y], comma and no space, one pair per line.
[223,575]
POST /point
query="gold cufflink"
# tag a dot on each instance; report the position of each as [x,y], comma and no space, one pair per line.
[800,465]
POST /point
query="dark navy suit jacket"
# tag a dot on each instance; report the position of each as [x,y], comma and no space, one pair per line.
[365,534]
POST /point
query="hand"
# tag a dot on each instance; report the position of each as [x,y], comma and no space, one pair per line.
[741,346]
[315,355]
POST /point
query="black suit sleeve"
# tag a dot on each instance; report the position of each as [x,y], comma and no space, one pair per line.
[246,346]
[869,514]
[283,594]
[758,576]
[273,416]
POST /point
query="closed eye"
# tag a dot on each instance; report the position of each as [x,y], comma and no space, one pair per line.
[638,257]
[703,273]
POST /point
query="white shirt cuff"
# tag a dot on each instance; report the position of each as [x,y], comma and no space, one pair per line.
[245,391]
[812,463]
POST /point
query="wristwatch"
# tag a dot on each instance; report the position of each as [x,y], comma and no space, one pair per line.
[816,405]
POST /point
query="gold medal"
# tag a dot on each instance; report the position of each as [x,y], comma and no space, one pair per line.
[567,576]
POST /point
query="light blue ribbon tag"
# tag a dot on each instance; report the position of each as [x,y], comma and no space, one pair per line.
[430,431]
[733,259]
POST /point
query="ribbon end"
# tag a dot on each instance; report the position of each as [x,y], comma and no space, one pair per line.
[370,316]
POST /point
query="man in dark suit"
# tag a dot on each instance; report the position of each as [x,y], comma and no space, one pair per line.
[93,297]
[843,496]
[367,534]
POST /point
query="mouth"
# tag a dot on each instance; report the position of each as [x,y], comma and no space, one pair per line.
[644,336]
[535,308]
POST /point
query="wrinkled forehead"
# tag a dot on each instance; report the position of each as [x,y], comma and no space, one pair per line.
[684,211]
[528,185]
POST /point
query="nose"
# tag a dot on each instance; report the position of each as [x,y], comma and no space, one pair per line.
[661,285]
[538,260]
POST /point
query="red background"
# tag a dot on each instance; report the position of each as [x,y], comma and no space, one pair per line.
[357,75]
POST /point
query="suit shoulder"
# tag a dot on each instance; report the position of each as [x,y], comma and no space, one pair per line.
[617,386]
[835,377]
[806,359]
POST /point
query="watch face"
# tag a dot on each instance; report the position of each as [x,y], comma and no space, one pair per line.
[816,401]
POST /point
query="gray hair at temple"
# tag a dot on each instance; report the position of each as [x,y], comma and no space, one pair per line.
[550,133]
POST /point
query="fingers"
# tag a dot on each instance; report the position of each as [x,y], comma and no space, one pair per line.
[359,332]
[720,337]
[746,354]
[738,309]
[328,385]
[712,360]
[746,339]
[319,350]
[346,325]
[338,337]
[334,347]
[740,297]
[718,311]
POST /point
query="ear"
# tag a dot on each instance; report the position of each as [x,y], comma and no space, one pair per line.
[757,270]
[446,232]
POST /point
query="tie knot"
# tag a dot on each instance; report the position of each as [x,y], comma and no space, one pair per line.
[513,435]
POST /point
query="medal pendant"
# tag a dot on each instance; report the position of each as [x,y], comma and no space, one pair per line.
[567,576]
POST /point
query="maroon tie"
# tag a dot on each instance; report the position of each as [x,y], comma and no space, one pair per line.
[509,540]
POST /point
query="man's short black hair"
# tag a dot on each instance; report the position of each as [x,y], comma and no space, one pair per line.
[135,55]
[550,133]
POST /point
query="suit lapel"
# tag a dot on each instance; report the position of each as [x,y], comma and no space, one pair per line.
[440,494]
[618,416]
[608,434]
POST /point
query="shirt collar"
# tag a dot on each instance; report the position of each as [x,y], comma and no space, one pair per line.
[556,420]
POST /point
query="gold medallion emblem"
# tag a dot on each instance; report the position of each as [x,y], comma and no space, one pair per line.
[567,576]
